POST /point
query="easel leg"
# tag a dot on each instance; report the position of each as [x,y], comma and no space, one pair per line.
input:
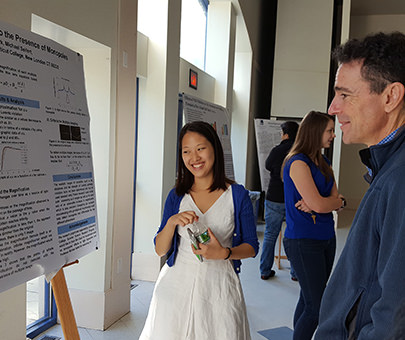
[65,310]
[279,251]
[279,256]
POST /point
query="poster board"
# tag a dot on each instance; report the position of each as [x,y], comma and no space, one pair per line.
[268,135]
[48,214]
[196,109]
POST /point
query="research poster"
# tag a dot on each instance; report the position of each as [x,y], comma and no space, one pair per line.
[268,135]
[48,213]
[197,109]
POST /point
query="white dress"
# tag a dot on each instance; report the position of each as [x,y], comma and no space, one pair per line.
[195,300]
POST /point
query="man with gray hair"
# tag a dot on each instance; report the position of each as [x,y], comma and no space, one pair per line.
[367,284]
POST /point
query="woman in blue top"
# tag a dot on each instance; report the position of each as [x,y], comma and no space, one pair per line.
[310,197]
[195,300]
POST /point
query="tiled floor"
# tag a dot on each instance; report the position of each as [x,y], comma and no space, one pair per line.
[270,303]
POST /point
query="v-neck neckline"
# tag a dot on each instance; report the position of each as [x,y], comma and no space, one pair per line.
[213,204]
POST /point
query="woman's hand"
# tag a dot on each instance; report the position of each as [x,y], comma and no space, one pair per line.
[183,218]
[343,205]
[212,250]
[301,205]
[301,175]
[164,238]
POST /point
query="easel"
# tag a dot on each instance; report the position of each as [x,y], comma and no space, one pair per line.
[64,305]
[279,257]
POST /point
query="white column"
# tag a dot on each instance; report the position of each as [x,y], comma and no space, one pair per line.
[241,99]
[158,99]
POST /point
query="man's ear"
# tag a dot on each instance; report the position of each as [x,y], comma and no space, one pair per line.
[393,96]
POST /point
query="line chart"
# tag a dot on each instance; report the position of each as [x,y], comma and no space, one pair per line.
[62,89]
[13,158]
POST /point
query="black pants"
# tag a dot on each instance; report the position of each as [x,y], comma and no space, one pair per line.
[312,261]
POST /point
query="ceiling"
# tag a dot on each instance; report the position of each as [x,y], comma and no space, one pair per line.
[377,7]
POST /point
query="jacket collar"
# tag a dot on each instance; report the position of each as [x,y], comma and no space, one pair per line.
[376,156]
[287,141]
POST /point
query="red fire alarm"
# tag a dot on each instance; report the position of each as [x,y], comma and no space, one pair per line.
[193,79]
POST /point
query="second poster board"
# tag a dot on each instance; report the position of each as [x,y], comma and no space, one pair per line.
[268,135]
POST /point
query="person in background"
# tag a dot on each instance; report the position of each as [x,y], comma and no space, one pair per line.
[274,203]
[310,197]
[195,300]
[367,285]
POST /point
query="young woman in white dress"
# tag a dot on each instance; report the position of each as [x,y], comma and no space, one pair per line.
[195,300]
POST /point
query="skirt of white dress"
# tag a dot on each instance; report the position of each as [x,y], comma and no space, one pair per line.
[197,301]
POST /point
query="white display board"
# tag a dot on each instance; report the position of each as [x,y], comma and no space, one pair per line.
[196,109]
[48,211]
[268,135]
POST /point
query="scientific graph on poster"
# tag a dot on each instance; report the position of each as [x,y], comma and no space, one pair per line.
[48,214]
[63,90]
[13,158]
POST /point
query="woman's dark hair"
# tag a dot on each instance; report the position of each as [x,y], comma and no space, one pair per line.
[185,178]
[309,140]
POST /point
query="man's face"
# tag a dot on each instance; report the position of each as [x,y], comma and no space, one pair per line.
[360,112]
[284,136]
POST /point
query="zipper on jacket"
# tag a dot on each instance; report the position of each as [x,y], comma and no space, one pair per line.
[351,318]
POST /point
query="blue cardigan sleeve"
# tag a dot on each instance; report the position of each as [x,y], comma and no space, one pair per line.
[245,225]
[171,208]
[246,220]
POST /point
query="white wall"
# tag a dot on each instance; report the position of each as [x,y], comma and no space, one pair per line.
[206,84]
[12,313]
[360,26]
[249,11]
[302,57]
[142,55]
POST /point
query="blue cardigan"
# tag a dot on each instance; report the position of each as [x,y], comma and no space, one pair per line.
[245,226]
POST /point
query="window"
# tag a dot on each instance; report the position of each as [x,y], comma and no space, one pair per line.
[193,31]
[41,307]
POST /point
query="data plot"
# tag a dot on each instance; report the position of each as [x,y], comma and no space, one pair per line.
[63,90]
[13,158]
